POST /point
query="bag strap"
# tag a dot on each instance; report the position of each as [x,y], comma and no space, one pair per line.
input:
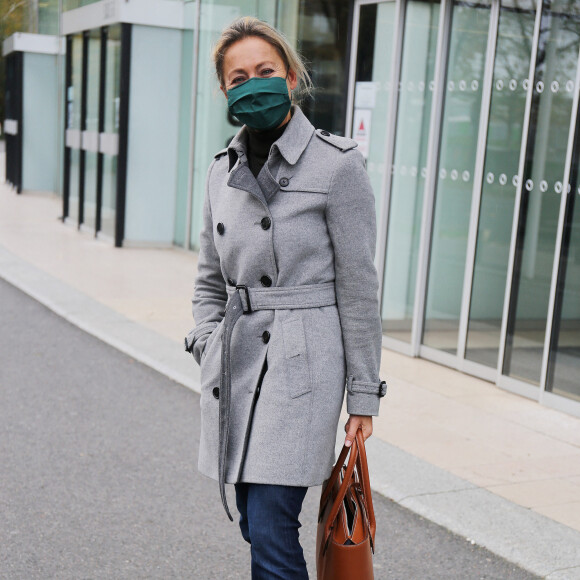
[358,459]
[331,480]
[363,473]
[342,490]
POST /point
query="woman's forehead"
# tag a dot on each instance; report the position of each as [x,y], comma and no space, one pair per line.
[250,52]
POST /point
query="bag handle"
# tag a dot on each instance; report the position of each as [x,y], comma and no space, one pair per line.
[363,472]
[333,477]
[343,487]
[358,458]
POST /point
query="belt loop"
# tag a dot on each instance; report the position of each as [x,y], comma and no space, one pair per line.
[246,304]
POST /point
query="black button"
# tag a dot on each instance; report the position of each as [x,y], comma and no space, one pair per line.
[221,229]
[216,392]
[266,223]
[325,133]
[231,282]
[266,336]
[284,181]
[266,281]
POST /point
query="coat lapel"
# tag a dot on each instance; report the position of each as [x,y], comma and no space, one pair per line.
[291,145]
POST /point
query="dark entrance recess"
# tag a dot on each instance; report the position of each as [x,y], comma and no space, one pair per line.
[13,100]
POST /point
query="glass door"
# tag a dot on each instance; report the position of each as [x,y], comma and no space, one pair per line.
[109,137]
[90,134]
[455,178]
[372,90]
[499,180]
[73,125]
[541,189]
[408,166]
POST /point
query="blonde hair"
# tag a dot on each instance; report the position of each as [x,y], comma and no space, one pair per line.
[249,26]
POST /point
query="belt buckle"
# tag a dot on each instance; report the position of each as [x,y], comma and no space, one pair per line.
[248,303]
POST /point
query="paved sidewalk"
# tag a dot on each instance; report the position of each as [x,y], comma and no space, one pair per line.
[489,465]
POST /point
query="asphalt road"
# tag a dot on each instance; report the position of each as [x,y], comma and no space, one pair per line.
[98,475]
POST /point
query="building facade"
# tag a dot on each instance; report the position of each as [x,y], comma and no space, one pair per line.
[467,114]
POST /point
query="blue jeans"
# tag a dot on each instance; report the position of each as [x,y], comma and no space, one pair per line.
[269,522]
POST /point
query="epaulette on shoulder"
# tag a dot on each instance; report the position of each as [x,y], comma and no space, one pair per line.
[220,153]
[342,143]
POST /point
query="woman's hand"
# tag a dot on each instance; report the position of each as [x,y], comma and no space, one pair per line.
[352,425]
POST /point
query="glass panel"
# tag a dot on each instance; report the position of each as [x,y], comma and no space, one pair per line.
[74,122]
[323,30]
[565,348]
[459,138]
[183,149]
[72,4]
[112,99]
[48,17]
[543,173]
[409,167]
[92,126]
[321,25]
[373,88]
[504,135]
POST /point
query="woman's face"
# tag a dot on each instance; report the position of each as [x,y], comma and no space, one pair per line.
[254,57]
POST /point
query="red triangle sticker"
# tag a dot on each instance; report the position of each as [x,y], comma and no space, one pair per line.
[361,128]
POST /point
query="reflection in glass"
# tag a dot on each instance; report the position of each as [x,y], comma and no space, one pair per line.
[409,167]
[92,126]
[112,99]
[564,362]
[459,136]
[542,186]
[504,135]
[373,88]
[74,122]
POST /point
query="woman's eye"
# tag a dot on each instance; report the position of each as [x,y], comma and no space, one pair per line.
[237,80]
[267,72]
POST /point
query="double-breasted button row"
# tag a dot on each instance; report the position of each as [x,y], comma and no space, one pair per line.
[221,229]
[231,282]
[266,281]
[266,222]
[266,337]
[216,392]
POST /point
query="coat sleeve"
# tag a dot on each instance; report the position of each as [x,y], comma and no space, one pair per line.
[351,221]
[210,295]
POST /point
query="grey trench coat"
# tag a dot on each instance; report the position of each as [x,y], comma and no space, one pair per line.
[308,219]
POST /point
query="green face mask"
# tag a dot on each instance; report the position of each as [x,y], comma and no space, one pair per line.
[260,103]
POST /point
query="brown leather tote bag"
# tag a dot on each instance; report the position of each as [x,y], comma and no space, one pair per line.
[346,520]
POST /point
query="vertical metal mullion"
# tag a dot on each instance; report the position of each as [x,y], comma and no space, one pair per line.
[83,127]
[553,318]
[61,112]
[101,125]
[192,124]
[518,199]
[19,60]
[352,68]
[67,150]
[390,136]
[478,177]
[125,82]
[440,77]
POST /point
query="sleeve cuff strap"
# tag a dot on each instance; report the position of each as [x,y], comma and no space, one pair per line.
[353,386]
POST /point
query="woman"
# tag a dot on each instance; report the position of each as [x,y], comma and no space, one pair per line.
[285,298]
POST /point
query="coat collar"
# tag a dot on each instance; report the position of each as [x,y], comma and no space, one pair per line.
[291,144]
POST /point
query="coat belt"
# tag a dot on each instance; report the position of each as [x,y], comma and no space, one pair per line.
[243,300]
